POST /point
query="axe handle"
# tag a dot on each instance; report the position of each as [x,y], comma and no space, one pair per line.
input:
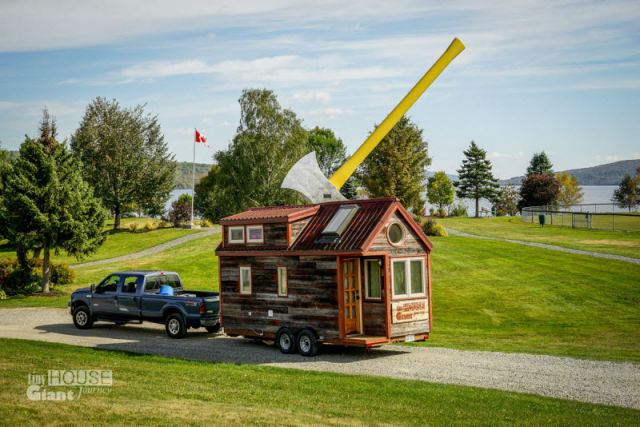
[346,170]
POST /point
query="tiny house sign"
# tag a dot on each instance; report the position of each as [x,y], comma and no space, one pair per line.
[410,311]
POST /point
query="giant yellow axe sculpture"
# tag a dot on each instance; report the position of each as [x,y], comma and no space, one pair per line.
[305,176]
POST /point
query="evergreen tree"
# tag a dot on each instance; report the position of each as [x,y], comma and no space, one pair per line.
[540,164]
[125,158]
[47,205]
[269,140]
[476,178]
[398,166]
[627,195]
[440,190]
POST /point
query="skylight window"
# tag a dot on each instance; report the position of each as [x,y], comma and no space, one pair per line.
[340,220]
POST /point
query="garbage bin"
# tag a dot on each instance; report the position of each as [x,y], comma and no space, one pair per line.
[542,219]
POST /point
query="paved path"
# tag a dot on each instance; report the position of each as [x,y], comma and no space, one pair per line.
[584,380]
[152,250]
[551,247]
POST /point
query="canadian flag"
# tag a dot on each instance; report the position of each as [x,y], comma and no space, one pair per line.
[201,138]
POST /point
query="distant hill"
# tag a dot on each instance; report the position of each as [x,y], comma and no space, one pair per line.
[608,174]
[184,172]
[453,178]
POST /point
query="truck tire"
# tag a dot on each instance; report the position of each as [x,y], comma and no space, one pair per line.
[213,329]
[286,341]
[175,326]
[82,317]
[307,343]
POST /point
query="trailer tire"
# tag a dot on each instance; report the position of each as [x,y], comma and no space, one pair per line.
[307,343]
[286,341]
[82,317]
[175,326]
[213,329]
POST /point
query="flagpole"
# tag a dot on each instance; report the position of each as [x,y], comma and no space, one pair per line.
[193,178]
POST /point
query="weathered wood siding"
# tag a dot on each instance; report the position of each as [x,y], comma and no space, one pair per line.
[374,319]
[275,234]
[297,227]
[411,245]
[400,329]
[312,299]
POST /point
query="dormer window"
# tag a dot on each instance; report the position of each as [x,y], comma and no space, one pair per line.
[255,234]
[236,234]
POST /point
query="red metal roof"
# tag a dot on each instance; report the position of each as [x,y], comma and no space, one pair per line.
[270,214]
[370,214]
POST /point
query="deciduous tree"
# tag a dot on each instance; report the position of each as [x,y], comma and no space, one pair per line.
[125,157]
[331,154]
[269,140]
[476,177]
[398,166]
[570,193]
[507,201]
[538,190]
[627,195]
[47,205]
[440,190]
[180,210]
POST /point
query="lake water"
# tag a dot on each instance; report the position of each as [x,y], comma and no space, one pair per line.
[592,194]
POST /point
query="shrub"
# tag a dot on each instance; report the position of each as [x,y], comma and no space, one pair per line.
[164,224]
[180,210]
[133,227]
[431,228]
[62,274]
[459,210]
[2,295]
[148,227]
[206,223]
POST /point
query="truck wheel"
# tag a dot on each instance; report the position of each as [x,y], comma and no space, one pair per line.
[286,341]
[307,343]
[82,317]
[213,329]
[175,326]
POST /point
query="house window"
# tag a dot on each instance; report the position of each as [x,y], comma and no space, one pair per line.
[408,277]
[255,234]
[283,282]
[236,234]
[395,233]
[245,280]
[372,278]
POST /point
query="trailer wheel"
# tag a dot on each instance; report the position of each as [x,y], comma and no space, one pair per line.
[82,317]
[175,326]
[213,329]
[307,343]
[286,341]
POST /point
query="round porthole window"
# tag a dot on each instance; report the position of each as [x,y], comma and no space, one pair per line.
[395,233]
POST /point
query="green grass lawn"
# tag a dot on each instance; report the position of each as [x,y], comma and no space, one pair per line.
[493,295]
[157,390]
[195,261]
[611,242]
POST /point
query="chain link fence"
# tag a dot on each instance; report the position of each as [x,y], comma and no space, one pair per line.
[600,216]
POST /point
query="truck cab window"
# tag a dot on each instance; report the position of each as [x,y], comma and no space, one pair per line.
[129,284]
[152,286]
[110,284]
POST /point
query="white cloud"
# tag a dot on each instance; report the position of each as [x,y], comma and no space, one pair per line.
[597,157]
[225,124]
[612,158]
[330,113]
[8,105]
[312,96]
[635,156]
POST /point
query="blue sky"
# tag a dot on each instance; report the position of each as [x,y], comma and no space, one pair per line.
[558,76]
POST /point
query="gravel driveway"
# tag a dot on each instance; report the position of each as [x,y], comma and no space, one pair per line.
[589,381]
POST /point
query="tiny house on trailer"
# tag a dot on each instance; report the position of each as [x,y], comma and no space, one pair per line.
[354,272]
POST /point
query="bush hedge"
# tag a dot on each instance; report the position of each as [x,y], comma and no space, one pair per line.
[15,280]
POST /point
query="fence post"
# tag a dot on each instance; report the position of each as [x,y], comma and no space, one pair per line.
[613,222]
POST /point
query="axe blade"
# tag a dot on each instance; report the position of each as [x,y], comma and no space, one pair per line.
[306,178]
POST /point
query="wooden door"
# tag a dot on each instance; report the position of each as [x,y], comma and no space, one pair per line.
[351,291]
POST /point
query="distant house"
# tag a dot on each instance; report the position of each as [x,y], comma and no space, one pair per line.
[351,272]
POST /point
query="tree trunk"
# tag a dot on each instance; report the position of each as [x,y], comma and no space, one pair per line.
[46,270]
[116,221]
[477,211]
[36,253]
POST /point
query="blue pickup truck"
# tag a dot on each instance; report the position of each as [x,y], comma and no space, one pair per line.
[151,296]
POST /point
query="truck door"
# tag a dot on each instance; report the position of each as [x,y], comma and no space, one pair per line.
[128,299]
[104,298]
